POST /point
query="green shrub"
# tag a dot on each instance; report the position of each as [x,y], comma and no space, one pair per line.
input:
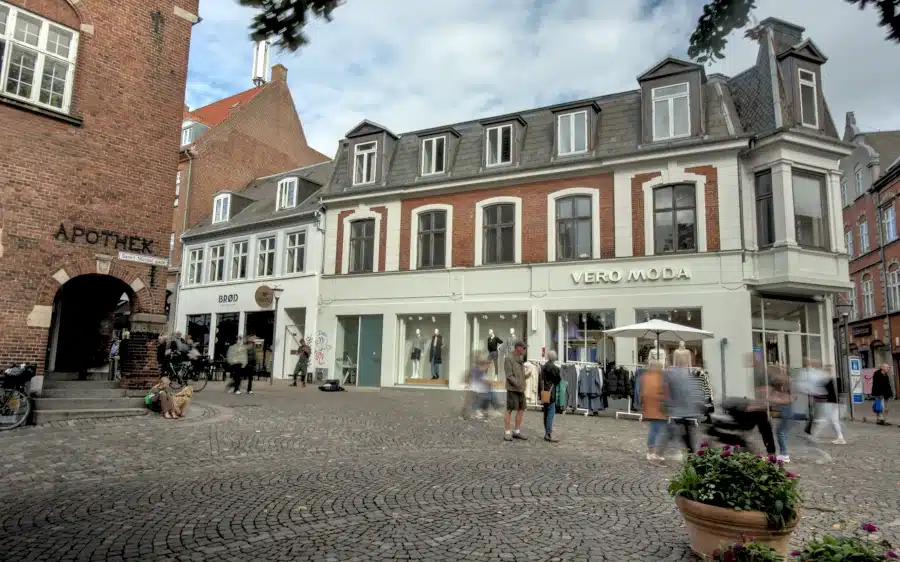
[747,551]
[847,549]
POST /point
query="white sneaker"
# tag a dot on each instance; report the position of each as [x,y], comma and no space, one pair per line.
[237,391]
[478,415]
[839,441]
[230,391]
[249,392]
[651,457]
[784,458]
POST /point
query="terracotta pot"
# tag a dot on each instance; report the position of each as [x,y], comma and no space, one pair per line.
[710,527]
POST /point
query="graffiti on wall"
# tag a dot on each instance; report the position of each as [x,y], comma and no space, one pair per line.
[320,347]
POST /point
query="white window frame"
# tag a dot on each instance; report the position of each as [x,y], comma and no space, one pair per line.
[273,252]
[215,272]
[499,147]
[857,176]
[221,208]
[671,103]
[594,194]
[845,195]
[177,184]
[290,266]
[195,266]
[369,157]
[245,254]
[171,246]
[429,168]
[360,214]
[672,177]
[868,296]
[848,239]
[187,134]
[852,299]
[811,83]
[414,234]
[285,192]
[42,52]
[889,223]
[864,245]
[893,280]
[479,227]
[571,118]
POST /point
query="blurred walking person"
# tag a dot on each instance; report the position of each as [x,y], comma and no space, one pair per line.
[828,411]
[548,381]
[653,396]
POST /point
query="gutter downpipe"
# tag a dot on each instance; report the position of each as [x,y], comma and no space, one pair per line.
[185,208]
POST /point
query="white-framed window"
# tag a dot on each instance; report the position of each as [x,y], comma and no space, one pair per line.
[864,238]
[893,279]
[37,58]
[177,183]
[809,106]
[572,133]
[265,257]
[671,111]
[287,193]
[434,156]
[430,227]
[364,162]
[845,197]
[216,264]
[857,176]
[848,237]
[362,246]
[851,300]
[171,246]
[221,208]
[889,223]
[239,255]
[187,135]
[498,230]
[498,145]
[195,267]
[295,252]
[868,296]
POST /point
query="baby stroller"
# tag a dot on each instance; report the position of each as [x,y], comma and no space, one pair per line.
[731,428]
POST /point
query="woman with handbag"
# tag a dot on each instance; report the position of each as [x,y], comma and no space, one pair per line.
[881,392]
[547,384]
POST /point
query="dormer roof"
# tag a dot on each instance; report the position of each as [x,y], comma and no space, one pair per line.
[805,50]
[670,66]
[366,127]
[500,119]
[436,131]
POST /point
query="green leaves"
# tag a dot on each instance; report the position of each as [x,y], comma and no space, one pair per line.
[841,549]
[285,19]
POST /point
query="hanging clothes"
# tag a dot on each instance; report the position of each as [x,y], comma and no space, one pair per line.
[617,383]
[531,383]
[569,373]
[590,388]
[636,395]
[561,396]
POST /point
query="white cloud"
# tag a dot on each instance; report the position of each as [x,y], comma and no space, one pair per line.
[409,64]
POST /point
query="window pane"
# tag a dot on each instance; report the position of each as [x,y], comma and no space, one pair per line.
[684,196]
[492,144]
[428,147]
[583,239]
[661,119]
[663,233]
[764,183]
[808,101]
[491,215]
[356,229]
[21,71]
[507,244]
[424,250]
[685,221]
[439,155]
[583,207]
[53,82]
[506,145]
[4,16]
[59,41]
[565,240]
[439,246]
[439,220]
[809,210]
[662,198]
[425,221]
[369,228]
[580,132]
[507,213]
[369,254]
[28,29]
[565,134]
[670,90]
[682,123]
[765,221]
[564,208]
[490,246]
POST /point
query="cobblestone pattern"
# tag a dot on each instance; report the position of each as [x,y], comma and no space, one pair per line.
[291,474]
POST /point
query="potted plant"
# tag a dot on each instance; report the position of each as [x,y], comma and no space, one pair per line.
[727,494]
[860,548]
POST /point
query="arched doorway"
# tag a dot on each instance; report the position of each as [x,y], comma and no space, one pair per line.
[89,312]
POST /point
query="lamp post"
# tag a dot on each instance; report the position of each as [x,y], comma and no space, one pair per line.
[277,292]
[844,309]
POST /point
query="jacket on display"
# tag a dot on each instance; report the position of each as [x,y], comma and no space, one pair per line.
[493,343]
[617,383]
[434,352]
[590,388]
[514,369]
[569,373]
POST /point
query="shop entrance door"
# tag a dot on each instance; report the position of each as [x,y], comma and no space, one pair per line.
[370,328]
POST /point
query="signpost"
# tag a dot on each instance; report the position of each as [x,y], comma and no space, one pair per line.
[856,387]
[144,258]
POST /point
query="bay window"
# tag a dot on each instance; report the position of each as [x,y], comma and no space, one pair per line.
[810,211]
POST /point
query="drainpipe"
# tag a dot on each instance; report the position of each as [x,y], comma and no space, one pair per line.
[185,208]
[884,285]
[722,344]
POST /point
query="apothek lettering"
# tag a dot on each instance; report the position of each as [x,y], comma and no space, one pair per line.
[228,299]
[105,238]
[632,275]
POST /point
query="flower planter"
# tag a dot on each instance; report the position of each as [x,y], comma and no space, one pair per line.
[711,527]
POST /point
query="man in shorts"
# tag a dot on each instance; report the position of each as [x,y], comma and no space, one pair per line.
[514,369]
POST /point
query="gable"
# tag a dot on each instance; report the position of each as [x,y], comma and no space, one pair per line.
[807,51]
[668,67]
[367,127]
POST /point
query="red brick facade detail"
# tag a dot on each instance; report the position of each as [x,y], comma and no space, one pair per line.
[637,211]
[711,194]
[339,268]
[534,217]
[382,237]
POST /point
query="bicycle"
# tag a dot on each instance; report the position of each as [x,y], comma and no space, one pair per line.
[184,372]
[15,403]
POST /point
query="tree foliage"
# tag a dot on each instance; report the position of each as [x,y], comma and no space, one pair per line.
[284,20]
[721,17]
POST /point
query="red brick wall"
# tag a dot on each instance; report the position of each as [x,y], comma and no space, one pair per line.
[114,173]
[711,194]
[382,237]
[340,240]
[637,211]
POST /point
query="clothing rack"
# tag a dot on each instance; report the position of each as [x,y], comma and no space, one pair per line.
[535,402]
[628,413]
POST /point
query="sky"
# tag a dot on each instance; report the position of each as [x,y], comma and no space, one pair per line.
[409,64]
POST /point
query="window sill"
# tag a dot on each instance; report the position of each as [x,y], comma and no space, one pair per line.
[30,107]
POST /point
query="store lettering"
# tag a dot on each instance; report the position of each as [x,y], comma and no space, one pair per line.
[633,275]
[228,299]
[105,238]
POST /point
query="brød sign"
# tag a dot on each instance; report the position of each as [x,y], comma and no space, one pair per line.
[630,275]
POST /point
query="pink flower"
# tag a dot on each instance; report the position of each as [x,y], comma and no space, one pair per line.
[796,554]
[791,475]
[704,445]
[892,555]
[726,453]
[869,528]
[773,458]
[726,447]
[780,462]
[700,452]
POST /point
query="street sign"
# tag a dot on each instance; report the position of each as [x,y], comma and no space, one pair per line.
[264,296]
[143,258]
[856,387]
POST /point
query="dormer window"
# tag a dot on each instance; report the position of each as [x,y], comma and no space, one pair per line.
[671,112]
[187,135]
[364,162]
[809,105]
[434,156]
[499,145]
[287,193]
[572,133]
[221,208]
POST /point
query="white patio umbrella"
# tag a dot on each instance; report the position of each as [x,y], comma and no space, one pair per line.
[660,330]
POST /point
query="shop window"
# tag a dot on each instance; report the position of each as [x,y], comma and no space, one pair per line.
[868,296]
[295,252]
[691,317]
[195,267]
[674,219]
[494,336]
[573,228]
[580,336]
[362,246]
[894,287]
[864,238]
[765,211]
[810,211]
[432,239]
[498,241]
[347,349]
[239,253]
[226,333]
[198,331]
[265,257]
[216,263]
[425,348]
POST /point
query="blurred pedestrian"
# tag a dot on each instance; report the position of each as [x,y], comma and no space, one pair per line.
[828,411]
[653,396]
[547,387]
[881,392]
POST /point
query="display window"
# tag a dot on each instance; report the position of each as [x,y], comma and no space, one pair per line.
[425,348]
[198,331]
[494,335]
[786,333]
[580,337]
[685,354]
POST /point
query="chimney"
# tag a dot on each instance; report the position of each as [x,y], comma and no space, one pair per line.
[785,34]
[850,130]
[279,72]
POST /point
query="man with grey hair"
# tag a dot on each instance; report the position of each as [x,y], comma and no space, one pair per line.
[548,382]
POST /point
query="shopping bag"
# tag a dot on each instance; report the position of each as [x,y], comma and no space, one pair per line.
[878,406]
[545,396]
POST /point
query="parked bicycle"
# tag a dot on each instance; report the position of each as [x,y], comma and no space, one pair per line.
[15,403]
[189,373]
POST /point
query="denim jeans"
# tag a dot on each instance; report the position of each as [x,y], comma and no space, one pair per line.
[786,417]
[435,370]
[483,400]
[549,412]
[656,429]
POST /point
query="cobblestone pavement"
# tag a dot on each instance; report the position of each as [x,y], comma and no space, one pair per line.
[297,474]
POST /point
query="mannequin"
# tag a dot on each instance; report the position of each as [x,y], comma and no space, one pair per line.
[416,355]
[682,357]
[656,355]
[434,354]
[493,342]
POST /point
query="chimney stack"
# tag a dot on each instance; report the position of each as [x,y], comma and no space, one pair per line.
[785,34]
[279,73]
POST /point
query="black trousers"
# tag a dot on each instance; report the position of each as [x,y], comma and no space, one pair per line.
[238,373]
[765,431]
[687,428]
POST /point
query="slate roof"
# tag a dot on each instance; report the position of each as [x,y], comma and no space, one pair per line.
[263,193]
[886,144]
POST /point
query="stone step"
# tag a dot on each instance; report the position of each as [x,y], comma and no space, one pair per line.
[50,382]
[45,416]
[85,403]
[89,392]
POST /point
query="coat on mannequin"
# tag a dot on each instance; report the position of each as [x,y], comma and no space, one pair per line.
[656,355]
[493,343]
[434,354]
[416,355]
[682,357]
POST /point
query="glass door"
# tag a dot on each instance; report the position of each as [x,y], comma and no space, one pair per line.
[370,331]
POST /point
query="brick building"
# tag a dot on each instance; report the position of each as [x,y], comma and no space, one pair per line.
[709,201]
[91,105]
[226,144]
